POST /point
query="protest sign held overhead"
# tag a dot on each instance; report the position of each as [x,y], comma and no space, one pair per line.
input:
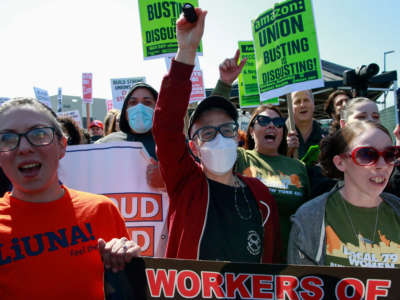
[87,96]
[42,95]
[198,91]
[120,87]
[168,61]
[287,56]
[109,104]
[158,19]
[248,86]
[254,100]
[248,76]
[247,101]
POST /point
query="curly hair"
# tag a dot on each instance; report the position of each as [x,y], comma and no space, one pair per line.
[71,129]
[250,144]
[337,143]
[85,136]
[110,121]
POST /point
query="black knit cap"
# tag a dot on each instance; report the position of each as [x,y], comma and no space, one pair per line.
[211,103]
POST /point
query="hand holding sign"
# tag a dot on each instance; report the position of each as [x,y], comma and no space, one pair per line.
[229,70]
[189,36]
[153,175]
[117,252]
[292,143]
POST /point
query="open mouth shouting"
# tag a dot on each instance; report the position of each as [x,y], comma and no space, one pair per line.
[270,137]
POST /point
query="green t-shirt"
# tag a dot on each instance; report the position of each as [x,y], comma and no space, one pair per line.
[377,230]
[286,179]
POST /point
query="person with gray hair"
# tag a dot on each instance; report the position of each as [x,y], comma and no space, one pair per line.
[309,131]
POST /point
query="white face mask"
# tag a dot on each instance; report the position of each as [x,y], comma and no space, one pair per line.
[219,155]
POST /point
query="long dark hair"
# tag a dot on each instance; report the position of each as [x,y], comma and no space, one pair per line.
[72,130]
[250,144]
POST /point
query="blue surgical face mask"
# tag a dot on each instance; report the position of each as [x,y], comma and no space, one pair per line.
[140,118]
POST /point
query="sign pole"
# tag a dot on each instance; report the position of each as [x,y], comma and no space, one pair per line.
[87,89]
[292,126]
[87,115]
[396,102]
[59,98]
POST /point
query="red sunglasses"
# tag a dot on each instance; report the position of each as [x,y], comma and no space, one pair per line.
[369,156]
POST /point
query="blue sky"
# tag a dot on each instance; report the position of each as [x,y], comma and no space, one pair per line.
[49,43]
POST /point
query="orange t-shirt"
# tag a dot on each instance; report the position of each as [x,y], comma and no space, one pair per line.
[49,250]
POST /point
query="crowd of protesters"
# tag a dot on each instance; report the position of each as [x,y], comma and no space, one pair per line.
[241,198]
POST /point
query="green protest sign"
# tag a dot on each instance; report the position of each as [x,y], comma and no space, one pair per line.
[247,101]
[254,100]
[274,101]
[286,49]
[248,76]
[158,19]
[248,87]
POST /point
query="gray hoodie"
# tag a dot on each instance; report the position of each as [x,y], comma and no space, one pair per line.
[307,241]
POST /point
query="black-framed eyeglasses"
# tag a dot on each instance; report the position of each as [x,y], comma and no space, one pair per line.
[208,133]
[40,136]
[264,121]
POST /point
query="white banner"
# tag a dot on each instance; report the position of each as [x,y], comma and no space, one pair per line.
[120,87]
[42,95]
[74,114]
[118,170]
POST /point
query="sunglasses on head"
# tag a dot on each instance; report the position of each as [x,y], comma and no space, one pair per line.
[369,156]
[264,121]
